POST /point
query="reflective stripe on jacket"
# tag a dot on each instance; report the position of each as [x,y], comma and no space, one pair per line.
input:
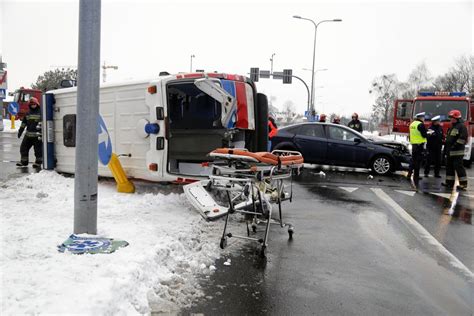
[456,139]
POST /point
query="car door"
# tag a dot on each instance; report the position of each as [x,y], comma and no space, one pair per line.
[346,148]
[311,141]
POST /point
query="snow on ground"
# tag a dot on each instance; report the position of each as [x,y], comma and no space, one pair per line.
[170,247]
[7,124]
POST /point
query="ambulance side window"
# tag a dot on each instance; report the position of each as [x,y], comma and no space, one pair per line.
[69,130]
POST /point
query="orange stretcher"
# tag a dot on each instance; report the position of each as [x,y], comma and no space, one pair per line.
[253,182]
[289,157]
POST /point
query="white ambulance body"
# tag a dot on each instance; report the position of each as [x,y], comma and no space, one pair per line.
[162,129]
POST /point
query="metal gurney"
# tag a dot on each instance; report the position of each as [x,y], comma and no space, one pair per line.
[248,183]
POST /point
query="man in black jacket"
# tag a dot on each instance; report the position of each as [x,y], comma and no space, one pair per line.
[33,135]
[434,146]
[355,124]
[456,140]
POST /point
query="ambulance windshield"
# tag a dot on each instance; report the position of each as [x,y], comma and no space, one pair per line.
[191,108]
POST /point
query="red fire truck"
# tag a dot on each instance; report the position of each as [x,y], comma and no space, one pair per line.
[433,104]
[22,96]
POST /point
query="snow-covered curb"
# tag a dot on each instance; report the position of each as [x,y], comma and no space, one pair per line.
[7,124]
[169,246]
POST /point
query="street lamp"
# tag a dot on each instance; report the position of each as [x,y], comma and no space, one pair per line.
[314,49]
[191,68]
[320,69]
[271,60]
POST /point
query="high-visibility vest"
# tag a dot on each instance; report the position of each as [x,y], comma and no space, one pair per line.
[415,135]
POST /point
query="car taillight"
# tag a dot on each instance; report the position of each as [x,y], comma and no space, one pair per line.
[153,167]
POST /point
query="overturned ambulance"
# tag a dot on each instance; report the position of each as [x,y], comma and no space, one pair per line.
[162,129]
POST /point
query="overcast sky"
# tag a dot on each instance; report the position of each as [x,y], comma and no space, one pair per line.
[145,37]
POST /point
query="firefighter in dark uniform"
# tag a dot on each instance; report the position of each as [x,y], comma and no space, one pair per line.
[434,146]
[33,134]
[417,141]
[456,140]
[355,124]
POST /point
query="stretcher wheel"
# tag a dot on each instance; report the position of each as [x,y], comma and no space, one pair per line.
[262,251]
[223,243]
[290,232]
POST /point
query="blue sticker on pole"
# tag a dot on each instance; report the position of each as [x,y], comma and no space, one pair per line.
[13,108]
[105,145]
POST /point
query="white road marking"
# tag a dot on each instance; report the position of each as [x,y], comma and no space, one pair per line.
[410,193]
[348,189]
[454,200]
[445,195]
[420,232]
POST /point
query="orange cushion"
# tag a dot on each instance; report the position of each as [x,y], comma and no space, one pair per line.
[262,156]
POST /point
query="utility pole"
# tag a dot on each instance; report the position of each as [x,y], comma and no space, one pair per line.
[104,73]
[86,164]
[314,50]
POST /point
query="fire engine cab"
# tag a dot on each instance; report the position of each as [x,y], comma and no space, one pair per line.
[433,104]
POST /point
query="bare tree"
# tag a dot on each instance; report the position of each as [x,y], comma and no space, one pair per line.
[289,111]
[386,89]
[459,77]
[419,79]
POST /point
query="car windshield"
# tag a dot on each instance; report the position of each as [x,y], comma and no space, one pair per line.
[433,108]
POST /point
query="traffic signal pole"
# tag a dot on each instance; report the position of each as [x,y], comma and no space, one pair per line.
[86,162]
[307,89]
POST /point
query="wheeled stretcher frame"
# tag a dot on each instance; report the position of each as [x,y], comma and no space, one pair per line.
[252,182]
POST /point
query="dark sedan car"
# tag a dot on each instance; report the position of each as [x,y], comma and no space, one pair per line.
[332,144]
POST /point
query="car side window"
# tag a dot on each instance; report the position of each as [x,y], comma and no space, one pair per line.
[312,130]
[341,134]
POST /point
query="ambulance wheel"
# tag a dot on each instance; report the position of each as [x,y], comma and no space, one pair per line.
[254,228]
[223,243]
[261,124]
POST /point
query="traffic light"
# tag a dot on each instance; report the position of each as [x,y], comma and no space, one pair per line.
[287,76]
[254,74]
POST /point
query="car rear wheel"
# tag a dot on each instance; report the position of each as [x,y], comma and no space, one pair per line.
[382,165]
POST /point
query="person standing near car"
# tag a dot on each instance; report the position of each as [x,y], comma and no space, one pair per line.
[417,140]
[33,136]
[322,118]
[434,146]
[272,130]
[355,124]
[336,120]
[456,140]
